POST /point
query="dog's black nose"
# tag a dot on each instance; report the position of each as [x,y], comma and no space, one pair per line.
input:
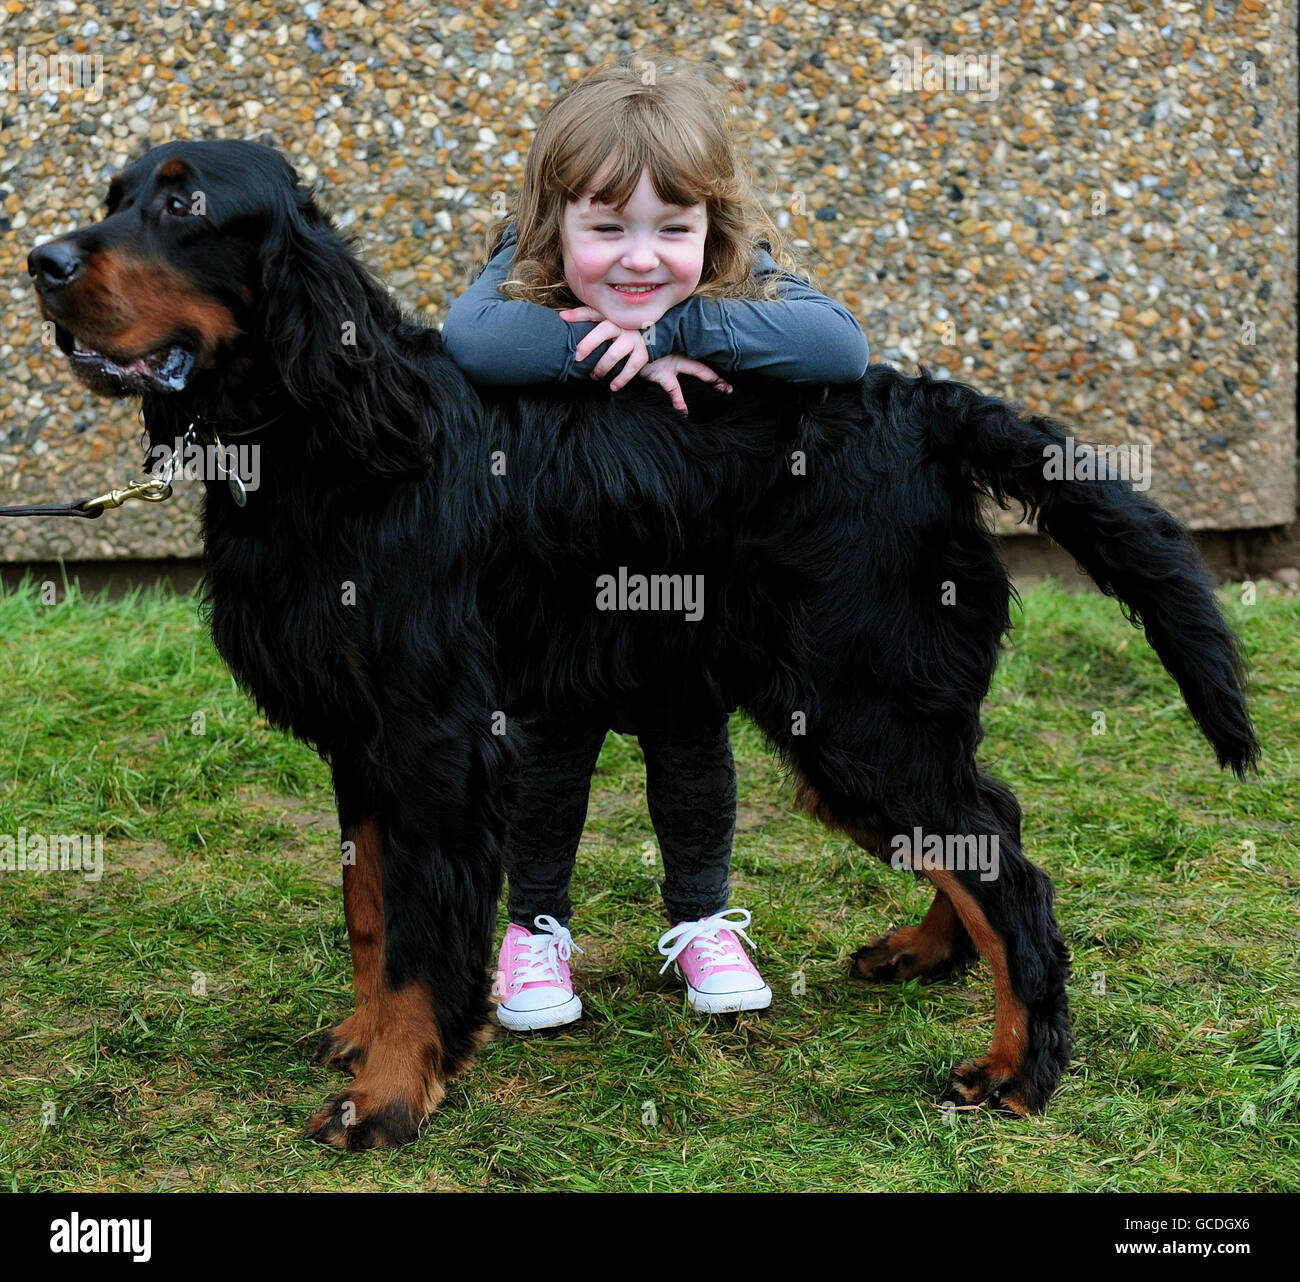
[54,264]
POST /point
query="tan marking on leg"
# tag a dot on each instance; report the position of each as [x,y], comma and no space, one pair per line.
[363,907]
[934,940]
[931,942]
[1010,1022]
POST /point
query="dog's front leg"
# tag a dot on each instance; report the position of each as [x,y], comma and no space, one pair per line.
[346,1044]
[420,901]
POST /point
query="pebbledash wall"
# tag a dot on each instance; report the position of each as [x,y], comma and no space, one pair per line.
[1088,208]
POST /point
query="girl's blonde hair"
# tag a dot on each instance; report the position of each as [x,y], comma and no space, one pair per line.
[670,119]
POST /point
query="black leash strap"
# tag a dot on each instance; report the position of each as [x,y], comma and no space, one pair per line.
[53,509]
[151,491]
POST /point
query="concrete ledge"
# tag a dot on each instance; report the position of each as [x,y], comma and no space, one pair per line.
[1232,555]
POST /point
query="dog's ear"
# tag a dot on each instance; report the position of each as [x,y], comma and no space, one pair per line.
[328,324]
[311,306]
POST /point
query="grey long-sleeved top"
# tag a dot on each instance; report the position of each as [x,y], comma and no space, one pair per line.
[802,337]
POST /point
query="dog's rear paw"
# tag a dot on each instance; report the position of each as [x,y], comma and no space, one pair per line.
[350,1120]
[977,1081]
[878,963]
[890,960]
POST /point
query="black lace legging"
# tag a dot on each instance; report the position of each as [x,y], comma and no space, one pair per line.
[690,792]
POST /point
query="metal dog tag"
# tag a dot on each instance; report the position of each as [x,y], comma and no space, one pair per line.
[237,490]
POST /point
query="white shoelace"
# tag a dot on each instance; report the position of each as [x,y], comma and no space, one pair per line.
[544,951]
[704,934]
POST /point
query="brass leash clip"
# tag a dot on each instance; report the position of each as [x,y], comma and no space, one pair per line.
[154,490]
[150,491]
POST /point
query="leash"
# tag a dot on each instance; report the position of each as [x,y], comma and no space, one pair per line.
[93,509]
[156,489]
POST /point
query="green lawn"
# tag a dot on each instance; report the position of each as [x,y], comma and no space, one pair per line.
[221,874]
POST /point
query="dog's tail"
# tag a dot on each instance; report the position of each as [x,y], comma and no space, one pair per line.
[1134,550]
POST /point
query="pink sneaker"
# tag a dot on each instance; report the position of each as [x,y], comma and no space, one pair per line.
[719,975]
[533,984]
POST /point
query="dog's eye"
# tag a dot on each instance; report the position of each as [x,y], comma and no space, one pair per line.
[177,205]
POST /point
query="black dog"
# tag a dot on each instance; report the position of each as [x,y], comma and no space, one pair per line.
[419,569]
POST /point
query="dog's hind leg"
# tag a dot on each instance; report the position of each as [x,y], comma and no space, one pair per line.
[1010,918]
[1001,908]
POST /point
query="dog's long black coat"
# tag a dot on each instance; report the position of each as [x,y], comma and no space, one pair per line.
[854,601]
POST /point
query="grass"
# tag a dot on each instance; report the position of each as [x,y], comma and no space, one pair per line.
[156,1026]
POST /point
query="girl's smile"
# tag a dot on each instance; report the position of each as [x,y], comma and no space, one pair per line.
[636,293]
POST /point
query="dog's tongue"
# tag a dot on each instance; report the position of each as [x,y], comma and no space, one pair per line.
[174,368]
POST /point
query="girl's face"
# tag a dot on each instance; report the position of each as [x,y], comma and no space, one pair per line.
[645,243]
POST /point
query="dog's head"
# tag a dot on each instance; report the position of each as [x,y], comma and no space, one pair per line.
[185,274]
[216,288]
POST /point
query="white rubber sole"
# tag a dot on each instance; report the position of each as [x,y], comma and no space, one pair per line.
[529,1021]
[727,1003]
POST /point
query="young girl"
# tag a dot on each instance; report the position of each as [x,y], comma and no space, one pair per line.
[636,221]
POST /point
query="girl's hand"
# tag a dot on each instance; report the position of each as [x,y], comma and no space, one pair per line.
[630,343]
[666,369]
[622,342]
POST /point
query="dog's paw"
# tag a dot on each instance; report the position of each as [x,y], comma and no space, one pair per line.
[350,1120]
[976,1081]
[882,962]
[891,960]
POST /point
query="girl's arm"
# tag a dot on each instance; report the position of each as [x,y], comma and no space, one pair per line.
[803,337]
[509,341]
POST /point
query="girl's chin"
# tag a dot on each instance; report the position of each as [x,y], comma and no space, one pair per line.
[634,317]
[624,311]
[631,311]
